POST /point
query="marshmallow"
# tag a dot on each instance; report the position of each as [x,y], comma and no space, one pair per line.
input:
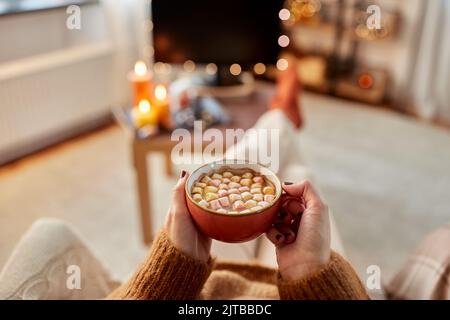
[217,176]
[197,197]
[238,205]
[211,196]
[268,190]
[256,185]
[200,184]
[224,202]
[235,178]
[223,186]
[234,185]
[223,193]
[234,190]
[255,190]
[250,204]
[263,203]
[215,182]
[247,175]
[197,190]
[258,180]
[204,203]
[235,197]
[268,198]
[227,174]
[215,205]
[246,182]
[258,197]
[211,189]
[243,189]
[246,195]
[206,179]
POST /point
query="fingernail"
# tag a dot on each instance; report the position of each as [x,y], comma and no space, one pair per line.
[287,183]
[278,237]
[183,173]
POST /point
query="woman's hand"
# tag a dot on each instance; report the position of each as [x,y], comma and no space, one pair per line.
[181,228]
[310,250]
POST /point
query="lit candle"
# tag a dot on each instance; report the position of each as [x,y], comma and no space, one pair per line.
[161,101]
[145,115]
[140,80]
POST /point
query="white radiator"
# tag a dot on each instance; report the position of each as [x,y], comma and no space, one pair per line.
[46,98]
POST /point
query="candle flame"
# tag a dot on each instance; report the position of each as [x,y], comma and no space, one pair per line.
[160,92]
[140,68]
[144,106]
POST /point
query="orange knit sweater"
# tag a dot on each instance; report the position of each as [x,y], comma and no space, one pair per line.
[168,273]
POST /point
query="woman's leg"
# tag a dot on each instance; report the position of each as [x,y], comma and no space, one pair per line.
[284,116]
[276,130]
[52,262]
[426,273]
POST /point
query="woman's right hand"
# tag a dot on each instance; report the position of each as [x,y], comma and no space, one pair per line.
[310,251]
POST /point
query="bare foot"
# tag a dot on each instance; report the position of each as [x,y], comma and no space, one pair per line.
[286,94]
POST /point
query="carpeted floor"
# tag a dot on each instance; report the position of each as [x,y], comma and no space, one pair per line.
[386,177]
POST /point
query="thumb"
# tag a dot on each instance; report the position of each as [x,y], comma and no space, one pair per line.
[178,193]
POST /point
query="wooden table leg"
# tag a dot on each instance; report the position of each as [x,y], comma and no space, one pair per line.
[143,187]
[169,165]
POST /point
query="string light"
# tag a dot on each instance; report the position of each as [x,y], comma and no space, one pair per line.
[282,64]
[235,69]
[189,66]
[259,68]
[148,25]
[211,68]
[159,67]
[284,14]
[148,51]
[140,68]
[283,41]
[167,68]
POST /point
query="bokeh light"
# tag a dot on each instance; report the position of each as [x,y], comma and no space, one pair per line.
[282,64]
[189,66]
[158,67]
[235,69]
[211,68]
[283,41]
[259,68]
[284,14]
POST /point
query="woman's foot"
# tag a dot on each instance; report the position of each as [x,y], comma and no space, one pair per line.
[286,94]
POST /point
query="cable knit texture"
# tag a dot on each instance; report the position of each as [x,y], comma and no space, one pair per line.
[337,281]
[170,274]
[167,274]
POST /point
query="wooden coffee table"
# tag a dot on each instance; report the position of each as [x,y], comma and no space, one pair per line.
[243,112]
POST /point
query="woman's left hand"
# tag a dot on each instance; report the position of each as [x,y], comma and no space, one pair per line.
[181,228]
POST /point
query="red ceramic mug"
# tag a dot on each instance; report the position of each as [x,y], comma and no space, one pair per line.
[238,227]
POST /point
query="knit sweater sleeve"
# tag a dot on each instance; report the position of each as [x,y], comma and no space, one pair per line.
[166,274]
[336,281]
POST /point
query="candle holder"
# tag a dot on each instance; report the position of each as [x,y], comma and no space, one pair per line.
[160,100]
[145,117]
[141,83]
